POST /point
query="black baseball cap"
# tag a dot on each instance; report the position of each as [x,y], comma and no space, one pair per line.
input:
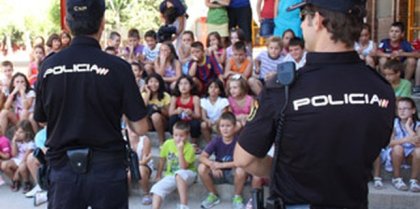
[344,6]
[84,9]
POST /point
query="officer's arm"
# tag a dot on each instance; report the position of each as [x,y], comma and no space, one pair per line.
[139,127]
[257,166]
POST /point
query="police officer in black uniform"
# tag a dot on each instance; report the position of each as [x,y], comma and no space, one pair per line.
[338,117]
[82,94]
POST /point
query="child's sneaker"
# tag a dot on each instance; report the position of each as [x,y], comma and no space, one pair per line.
[27,186]
[40,198]
[377,183]
[399,184]
[32,193]
[1,181]
[210,201]
[237,202]
[414,186]
[180,206]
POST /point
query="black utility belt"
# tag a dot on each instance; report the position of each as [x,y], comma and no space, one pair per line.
[81,158]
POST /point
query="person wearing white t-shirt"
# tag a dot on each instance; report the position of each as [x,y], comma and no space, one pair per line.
[297,53]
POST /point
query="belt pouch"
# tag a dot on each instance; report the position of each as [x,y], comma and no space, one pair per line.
[79,159]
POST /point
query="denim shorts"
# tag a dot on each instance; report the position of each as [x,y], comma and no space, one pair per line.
[267,27]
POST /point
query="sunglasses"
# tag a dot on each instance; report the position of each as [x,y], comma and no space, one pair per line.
[304,13]
[236,77]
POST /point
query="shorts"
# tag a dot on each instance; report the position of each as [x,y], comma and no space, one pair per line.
[241,17]
[267,28]
[228,177]
[168,184]
[222,29]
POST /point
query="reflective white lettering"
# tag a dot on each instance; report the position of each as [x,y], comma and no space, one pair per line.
[301,102]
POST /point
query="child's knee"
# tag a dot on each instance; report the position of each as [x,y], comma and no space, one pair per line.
[203,169]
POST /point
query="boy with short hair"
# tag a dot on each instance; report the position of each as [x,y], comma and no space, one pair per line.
[396,47]
[114,40]
[7,70]
[239,63]
[150,51]
[392,72]
[203,68]
[297,53]
[222,169]
[180,169]
[266,63]
[134,50]
[110,50]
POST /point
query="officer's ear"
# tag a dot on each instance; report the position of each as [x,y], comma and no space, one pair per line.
[317,21]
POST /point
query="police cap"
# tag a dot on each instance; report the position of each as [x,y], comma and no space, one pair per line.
[344,6]
[85,9]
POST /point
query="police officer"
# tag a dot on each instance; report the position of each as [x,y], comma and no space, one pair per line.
[82,94]
[338,117]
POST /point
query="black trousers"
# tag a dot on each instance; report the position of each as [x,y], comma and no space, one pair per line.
[104,186]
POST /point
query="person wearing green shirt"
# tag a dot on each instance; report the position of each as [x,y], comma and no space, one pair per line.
[217,17]
[180,172]
[392,73]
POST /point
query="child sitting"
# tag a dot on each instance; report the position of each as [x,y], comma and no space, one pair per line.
[297,53]
[392,73]
[240,102]
[396,47]
[215,47]
[266,64]
[203,68]
[138,71]
[150,51]
[404,143]
[240,63]
[114,40]
[365,47]
[212,106]
[167,65]
[22,145]
[184,51]
[134,50]
[180,172]
[6,78]
[5,152]
[38,55]
[144,152]
[222,169]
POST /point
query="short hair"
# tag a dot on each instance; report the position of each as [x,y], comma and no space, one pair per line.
[296,41]
[151,34]
[190,33]
[399,25]
[288,31]
[394,65]
[239,46]
[134,33]
[343,27]
[85,26]
[7,63]
[228,116]
[51,38]
[183,126]
[275,39]
[198,45]
[114,34]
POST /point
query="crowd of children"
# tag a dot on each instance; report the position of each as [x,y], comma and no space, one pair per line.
[205,91]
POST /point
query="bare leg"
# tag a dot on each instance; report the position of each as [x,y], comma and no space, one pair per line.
[182,190]
[144,182]
[377,167]
[157,201]
[33,166]
[410,67]
[416,163]
[382,62]
[23,171]
[397,155]
[159,123]
[239,181]
[255,85]
[206,131]
[9,167]
[205,177]
[417,75]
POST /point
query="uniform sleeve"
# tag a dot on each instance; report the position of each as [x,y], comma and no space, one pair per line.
[133,106]
[39,112]
[258,134]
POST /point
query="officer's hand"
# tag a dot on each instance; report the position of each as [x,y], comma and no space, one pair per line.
[217,173]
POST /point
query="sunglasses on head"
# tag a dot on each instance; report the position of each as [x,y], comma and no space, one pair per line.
[304,13]
[236,77]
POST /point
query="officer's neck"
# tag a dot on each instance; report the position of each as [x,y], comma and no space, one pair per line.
[325,44]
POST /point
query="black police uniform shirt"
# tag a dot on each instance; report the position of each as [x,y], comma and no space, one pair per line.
[338,118]
[82,93]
